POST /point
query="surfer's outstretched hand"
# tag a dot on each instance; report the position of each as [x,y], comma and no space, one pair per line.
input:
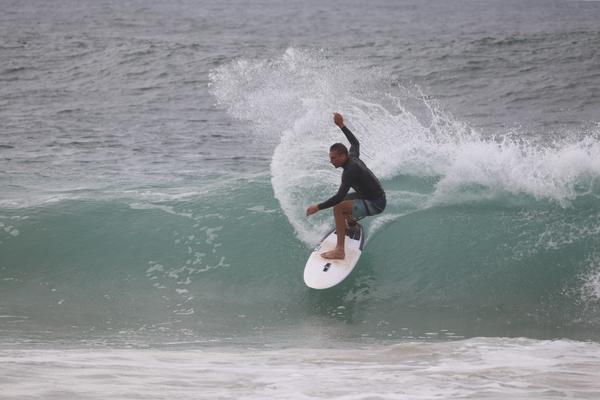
[311,210]
[338,119]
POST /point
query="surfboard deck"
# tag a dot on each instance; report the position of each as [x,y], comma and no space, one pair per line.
[323,273]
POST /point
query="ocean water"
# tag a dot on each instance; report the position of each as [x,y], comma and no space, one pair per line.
[156,159]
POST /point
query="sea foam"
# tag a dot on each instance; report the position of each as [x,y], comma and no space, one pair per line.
[288,101]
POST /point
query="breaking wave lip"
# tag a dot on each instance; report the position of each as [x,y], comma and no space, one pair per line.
[289,101]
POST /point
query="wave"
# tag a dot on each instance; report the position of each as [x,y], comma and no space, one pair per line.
[403,133]
[483,235]
[230,265]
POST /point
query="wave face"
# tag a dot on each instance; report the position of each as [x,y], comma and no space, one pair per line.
[403,135]
[483,235]
[229,265]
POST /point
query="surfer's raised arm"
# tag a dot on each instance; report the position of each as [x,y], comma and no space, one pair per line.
[338,120]
[354,145]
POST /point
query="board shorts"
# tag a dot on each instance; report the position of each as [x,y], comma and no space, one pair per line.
[364,208]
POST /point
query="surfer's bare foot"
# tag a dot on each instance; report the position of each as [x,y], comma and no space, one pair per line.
[334,255]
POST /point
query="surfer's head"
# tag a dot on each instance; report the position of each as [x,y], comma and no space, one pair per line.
[338,154]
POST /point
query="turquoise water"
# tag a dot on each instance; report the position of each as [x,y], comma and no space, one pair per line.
[210,267]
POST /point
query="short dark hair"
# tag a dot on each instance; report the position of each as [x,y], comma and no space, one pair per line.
[339,148]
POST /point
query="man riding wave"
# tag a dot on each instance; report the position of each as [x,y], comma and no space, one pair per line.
[368,198]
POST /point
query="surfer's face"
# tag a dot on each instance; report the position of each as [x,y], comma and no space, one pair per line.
[337,159]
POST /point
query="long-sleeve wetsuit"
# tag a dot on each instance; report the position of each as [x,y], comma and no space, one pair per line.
[356,175]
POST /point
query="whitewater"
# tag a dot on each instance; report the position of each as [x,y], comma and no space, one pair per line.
[156,162]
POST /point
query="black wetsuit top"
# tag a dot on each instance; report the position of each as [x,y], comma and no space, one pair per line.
[356,175]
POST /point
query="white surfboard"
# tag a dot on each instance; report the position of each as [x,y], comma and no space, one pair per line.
[323,273]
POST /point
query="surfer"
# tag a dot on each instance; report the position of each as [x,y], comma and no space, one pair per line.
[368,198]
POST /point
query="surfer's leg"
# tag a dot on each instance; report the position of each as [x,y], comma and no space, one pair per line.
[340,213]
[351,221]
